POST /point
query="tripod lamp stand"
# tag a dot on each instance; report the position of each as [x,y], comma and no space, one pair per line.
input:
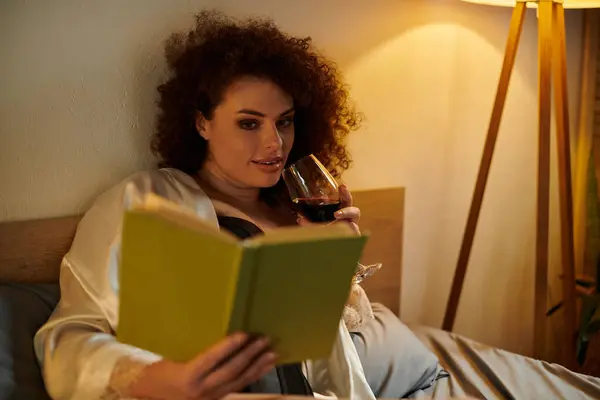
[552,78]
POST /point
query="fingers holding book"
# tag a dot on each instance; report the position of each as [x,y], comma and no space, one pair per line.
[232,364]
[227,367]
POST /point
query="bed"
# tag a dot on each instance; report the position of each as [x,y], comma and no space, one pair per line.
[30,253]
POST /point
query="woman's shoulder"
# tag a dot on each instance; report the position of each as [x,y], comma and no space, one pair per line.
[101,222]
[168,183]
[161,181]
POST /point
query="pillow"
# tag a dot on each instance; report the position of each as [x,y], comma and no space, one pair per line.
[395,361]
[23,309]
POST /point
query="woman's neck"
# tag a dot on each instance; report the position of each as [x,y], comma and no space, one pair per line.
[243,200]
[220,187]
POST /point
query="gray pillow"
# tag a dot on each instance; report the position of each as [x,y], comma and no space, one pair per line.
[23,309]
[395,361]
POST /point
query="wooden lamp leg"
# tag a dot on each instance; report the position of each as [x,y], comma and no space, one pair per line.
[543,188]
[565,184]
[516,27]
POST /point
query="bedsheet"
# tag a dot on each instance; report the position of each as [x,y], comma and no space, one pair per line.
[484,372]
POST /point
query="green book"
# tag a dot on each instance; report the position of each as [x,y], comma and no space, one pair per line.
[184,284]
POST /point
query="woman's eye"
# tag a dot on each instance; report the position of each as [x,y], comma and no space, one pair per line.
[248,124]
[284,123]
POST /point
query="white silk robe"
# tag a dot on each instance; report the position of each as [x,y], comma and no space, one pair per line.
[77,349]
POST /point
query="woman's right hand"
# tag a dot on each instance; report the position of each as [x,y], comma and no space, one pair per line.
[225,368]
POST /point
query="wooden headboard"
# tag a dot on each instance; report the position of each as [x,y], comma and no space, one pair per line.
[31,251]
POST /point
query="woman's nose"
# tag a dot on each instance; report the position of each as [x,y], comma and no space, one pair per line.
[272,138]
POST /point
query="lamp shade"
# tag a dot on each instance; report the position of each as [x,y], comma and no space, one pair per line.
[566,3]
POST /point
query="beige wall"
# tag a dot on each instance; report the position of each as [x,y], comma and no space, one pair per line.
[428,90]
[76,109]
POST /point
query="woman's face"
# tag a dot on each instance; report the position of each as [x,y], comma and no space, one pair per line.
[251,133]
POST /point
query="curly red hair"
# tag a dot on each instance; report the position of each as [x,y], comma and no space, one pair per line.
[204,61]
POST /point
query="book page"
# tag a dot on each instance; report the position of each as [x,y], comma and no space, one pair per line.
[300,234]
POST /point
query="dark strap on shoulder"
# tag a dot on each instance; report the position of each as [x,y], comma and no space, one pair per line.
[239,227]
[283,379]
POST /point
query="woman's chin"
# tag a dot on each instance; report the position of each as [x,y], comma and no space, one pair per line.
[267,182]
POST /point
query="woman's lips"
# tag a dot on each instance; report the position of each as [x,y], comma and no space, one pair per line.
[273,164]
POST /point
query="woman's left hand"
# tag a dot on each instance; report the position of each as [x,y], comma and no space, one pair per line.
[348,213]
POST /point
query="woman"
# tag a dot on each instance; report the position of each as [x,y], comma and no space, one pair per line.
[242,101]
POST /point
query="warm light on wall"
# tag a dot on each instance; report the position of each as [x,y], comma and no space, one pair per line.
[565,3]
[552,81]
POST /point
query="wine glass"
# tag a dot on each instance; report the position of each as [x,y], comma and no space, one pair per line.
[316,195]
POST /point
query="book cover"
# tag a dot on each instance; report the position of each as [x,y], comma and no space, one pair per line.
[185,284]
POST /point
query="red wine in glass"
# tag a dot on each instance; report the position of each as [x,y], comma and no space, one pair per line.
[316,195]
[318,209]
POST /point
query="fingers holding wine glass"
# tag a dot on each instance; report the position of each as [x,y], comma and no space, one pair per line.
[346,199]
[348,212]
[351,214]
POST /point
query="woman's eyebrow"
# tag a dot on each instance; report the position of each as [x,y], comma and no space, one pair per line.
[251,112]
[259,114]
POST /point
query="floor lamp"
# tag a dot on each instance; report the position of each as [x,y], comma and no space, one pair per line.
[552,75]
